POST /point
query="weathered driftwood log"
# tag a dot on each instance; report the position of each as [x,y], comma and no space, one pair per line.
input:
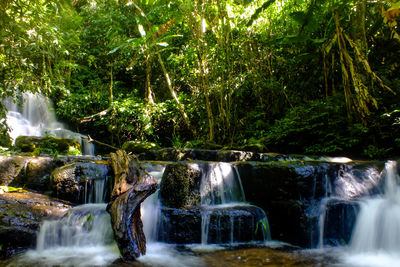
[132,185]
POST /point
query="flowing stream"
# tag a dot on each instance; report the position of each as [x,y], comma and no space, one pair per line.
[358,216]
[83,237]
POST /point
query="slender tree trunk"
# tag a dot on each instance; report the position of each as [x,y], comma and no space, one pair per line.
[173,93]
[359,32]
[197,31]
[149,92]
[111,87]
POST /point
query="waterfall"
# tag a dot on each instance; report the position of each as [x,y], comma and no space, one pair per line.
[222,196]
[378,223]
[221,184]
[36,117]
[151,206]
[83,237]
[339,207]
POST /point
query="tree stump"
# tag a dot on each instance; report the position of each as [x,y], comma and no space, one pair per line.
[132,185]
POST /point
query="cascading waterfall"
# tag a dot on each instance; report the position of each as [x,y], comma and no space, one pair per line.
[150,208]
[378,223]
[221,184]
[221,189]
[36,117]
[84,237]
[339,206]
[376,236]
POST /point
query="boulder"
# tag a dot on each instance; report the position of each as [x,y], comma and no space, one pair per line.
[181,185]
[65,183]
[36,175]
[220,225]
[76,182]
[20,218]
[290,193]
[48,145]
[11,168]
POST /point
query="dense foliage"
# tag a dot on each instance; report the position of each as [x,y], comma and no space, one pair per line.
[294,76]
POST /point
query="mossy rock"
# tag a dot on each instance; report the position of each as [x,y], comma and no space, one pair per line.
[64,183]
[180,185]
[137,147]
[11,168]
[48,145]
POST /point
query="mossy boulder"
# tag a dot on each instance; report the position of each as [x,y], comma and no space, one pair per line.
[64,183]
[137,147]
[11,168]
[180,185]
[20,217]
[48,145]
[36,175]
[76,182]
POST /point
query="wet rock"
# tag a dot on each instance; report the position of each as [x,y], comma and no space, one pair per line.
[36,175]
[339,221]
[48,145]
[224,225]
[11,168]
[132,185]
[285,191]
[20,217]
[181,185]
[187,154]
[76,182]
[65,183]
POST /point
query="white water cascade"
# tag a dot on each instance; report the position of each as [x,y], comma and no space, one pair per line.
[221,188]
[157,253]
[376,236]
[221,184]
[378,224]
[36,117]
[84,237]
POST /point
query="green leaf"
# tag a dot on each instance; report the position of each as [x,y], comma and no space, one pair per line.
[163,44]
[115,49]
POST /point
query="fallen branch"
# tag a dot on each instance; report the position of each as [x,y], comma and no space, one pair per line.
[91,140]
[92,117]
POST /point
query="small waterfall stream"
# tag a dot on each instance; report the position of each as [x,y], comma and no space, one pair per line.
[376,236]
[221,189]
[83,237]
[36,117]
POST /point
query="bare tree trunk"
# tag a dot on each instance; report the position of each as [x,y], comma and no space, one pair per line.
[174,95]
[149,92]
[359,32]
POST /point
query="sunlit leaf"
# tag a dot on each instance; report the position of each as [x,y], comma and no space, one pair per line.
[163,44]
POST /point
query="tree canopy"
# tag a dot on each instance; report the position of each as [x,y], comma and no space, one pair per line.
[292,76]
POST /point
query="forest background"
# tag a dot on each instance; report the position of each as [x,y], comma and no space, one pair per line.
[289,76]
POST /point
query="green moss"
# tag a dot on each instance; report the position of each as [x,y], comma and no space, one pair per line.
[180,186]
[137,147]
[48,145]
